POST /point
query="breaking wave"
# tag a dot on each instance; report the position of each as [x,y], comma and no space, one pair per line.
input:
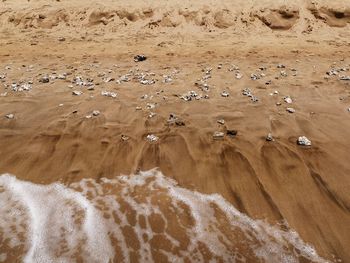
[139,218]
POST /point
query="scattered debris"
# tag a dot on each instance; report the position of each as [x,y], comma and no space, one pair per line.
[173,119]
[248,93]
[302,140]
[23,87]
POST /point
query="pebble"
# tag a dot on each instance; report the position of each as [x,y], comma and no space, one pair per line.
[152,114]
[231,133]
[288,100]
[238,75]
[218,135]
[221,121]
[152,138]
[124,138]
[290,110]
[77,92]
[150,106]
[225,94]
[302,140]
[44,79]
[109,94]
[10,116]
[95,113]
[139,58]
[269,138]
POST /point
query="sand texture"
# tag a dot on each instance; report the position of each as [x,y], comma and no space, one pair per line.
[276,49]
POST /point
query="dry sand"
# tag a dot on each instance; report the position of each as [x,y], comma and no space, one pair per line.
[274,181]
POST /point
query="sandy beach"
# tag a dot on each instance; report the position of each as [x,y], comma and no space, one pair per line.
[78,113]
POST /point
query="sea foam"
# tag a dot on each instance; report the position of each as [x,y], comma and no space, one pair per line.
[144,218]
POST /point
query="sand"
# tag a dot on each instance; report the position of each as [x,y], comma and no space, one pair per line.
[275,181]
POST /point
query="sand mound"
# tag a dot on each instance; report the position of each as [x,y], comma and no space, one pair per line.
[114,17]
[332,17]
[282,19]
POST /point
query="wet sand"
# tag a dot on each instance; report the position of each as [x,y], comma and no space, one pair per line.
[51,140]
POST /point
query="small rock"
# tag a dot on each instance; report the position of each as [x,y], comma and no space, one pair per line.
[95,113]
[124,138]
[77,92]
[152,114]
[345,78]
[269,138]
[61,39]
[139,58]
[152,138]
[44,79]
[302,140]
[138,108]
[150,106]
[238,75]
[290,110]
[225,94]
[109,94]
[288,100]
[179,123]
[218,135]
[221,121]
[231,133]
[10,116]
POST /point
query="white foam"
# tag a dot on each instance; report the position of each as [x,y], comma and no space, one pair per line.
[88,220]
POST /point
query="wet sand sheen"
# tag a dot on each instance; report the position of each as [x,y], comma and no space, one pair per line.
[49,139]
[144,218]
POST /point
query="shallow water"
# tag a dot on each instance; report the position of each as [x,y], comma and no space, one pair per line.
[139,218]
